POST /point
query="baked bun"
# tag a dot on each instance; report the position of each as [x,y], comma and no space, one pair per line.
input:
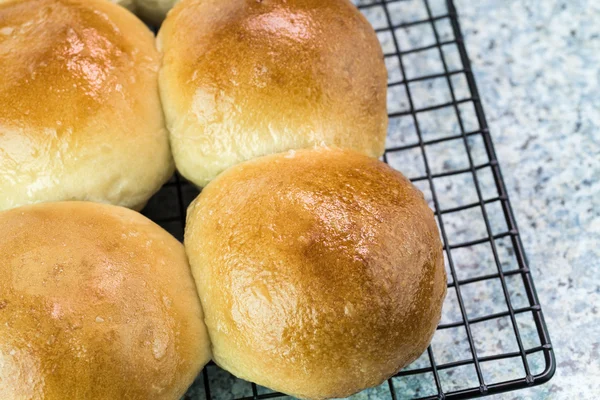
[80,114]
[244,78]
[320,272]
[96,302]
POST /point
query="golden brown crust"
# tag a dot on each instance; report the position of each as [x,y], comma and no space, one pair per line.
[246,78]
[320,271]
[96,302]
[81,115]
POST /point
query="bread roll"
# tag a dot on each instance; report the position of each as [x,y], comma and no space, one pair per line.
[320,272]
[246,78]
[80,114]
[96,302]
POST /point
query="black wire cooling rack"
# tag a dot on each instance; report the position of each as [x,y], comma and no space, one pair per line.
[492,337]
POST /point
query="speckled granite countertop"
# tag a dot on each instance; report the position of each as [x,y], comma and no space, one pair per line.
[537,65]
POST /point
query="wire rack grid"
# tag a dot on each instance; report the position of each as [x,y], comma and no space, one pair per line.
[492,337]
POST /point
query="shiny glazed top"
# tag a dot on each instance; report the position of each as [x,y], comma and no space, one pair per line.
[246,78]
[96,302]
[320,271]
[79,95]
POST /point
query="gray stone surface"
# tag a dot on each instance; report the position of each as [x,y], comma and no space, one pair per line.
[537,65]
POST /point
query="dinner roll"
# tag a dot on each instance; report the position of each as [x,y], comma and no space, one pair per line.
[80,114]
[320,272]
[96,302]
[244,78]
